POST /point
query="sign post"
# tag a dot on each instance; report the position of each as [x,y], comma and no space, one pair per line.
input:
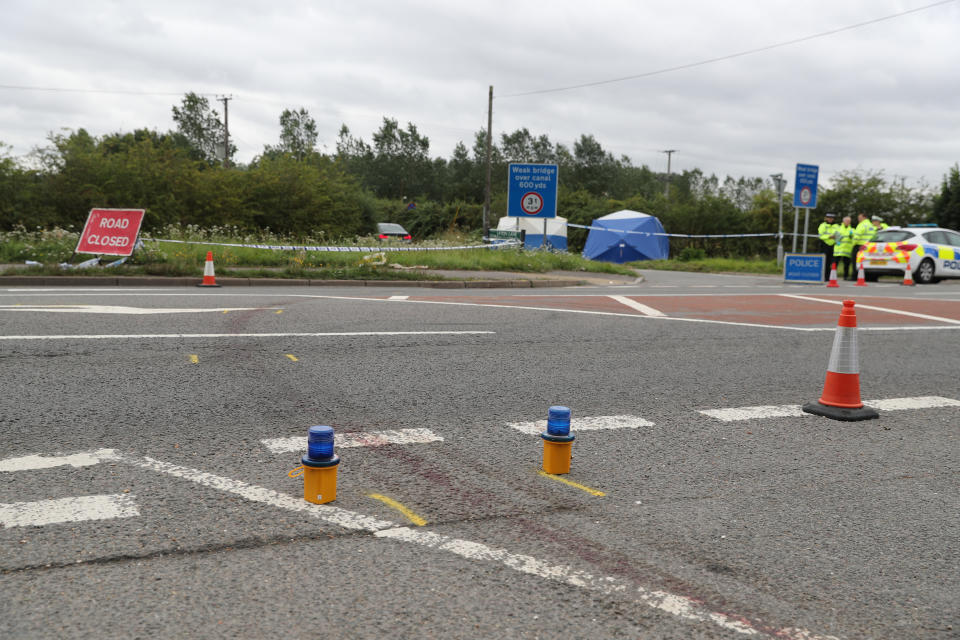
[804,197]
[110,232]
[532,192]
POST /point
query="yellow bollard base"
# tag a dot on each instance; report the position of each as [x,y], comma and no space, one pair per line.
[556,456]
[320,483]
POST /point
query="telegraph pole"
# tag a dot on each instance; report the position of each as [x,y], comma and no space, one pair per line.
[226,131]
[778,177]
[486,191]
[669,153]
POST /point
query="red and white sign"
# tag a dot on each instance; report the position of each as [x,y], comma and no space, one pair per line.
[532,203]
[110,232]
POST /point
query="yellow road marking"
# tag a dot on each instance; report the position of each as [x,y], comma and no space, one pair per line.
[411,516]
[577,485]
[226,310]
[279,311]
[194,358]
[292,357]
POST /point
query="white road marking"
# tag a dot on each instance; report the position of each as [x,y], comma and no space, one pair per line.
[794,411]
[755,413]
[679,606]
[253,493]
[589,423]
[919,402]
[113,310]
[398,298]
[753,325]
[346,440]
[859,305]
[249,335]
[86,459]
[637,306]
[113,290]
[77,509]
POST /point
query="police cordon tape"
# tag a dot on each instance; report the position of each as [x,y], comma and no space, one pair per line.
[293,247]
[496,244]
[689,235]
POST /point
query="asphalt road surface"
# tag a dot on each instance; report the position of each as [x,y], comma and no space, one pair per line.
[147,437]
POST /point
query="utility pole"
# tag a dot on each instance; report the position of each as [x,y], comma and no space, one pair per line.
[669,153]
[486,191]
[778,177]
[226,131]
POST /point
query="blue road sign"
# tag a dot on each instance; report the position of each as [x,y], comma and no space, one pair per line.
[532,190]
[805,186]
[803,267]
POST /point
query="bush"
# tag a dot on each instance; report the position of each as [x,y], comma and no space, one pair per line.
[688,254]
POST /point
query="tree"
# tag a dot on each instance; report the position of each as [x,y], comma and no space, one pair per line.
[593,168]
[869,192]
[202,128]
[946,206]
[521,146]
[401,160]
[298,133]
[465,178]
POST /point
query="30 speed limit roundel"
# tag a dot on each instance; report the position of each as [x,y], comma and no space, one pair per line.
[806,195]
[531,203]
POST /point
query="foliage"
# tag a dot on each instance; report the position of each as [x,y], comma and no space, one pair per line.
[946,206]
[186,257]
[870,192]
[202,128]
[298,134]
[294,190]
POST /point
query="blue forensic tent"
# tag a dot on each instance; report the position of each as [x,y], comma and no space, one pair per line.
[608,242]
[556,230]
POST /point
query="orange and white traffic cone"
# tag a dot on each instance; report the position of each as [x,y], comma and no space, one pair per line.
[841,389]
[208,279]
[861,277]
[833,276]
[907,276]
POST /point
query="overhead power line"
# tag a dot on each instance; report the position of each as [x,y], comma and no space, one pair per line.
[118,91]
[739,54]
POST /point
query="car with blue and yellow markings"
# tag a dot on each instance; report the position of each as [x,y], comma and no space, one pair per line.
[931,253]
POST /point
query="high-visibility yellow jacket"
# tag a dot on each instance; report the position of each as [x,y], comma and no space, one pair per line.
[864,232]
[844,236]
[826,231]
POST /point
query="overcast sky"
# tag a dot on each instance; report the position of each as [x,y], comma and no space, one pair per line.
[885,96]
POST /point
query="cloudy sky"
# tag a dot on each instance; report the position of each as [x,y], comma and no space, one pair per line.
[882,96]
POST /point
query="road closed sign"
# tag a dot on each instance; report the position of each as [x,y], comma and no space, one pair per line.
[110,232]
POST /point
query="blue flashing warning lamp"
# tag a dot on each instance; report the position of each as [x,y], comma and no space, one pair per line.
[558,421]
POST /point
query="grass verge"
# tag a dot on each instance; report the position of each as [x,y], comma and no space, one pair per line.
[714,265]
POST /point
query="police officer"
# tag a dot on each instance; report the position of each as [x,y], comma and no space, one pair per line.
[862,234]
[844,247]
[826,230]
[878,223]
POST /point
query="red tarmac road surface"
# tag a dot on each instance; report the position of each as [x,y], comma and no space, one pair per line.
[773,310]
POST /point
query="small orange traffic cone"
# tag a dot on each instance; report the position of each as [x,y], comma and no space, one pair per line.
[907,276]
[208,278]
[833,276]
[861,277]
[841,389]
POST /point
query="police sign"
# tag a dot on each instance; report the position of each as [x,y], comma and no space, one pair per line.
[803,267]
[110,232]
[532,190]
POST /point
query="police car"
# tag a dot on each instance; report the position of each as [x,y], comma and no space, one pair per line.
[930,252]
